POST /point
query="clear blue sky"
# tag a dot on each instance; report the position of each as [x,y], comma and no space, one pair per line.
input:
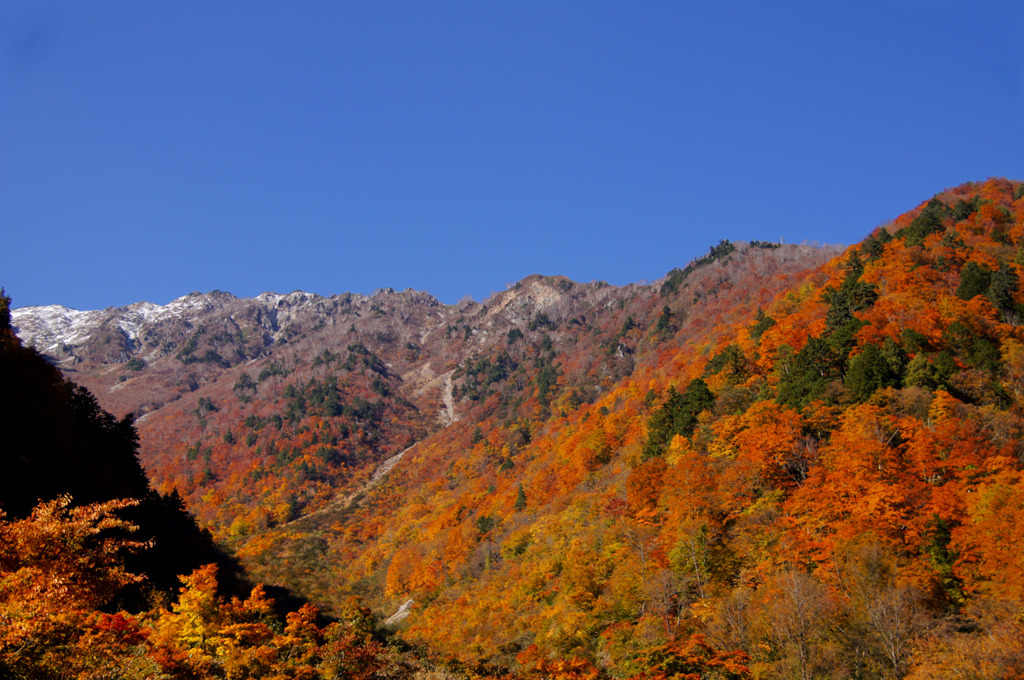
[151,149]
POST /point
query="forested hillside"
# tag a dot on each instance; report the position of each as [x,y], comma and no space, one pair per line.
[90,559]
[827,479]
[59,443]
[775,462]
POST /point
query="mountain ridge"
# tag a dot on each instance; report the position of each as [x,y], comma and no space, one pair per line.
[92,344]
[773,462]
[608,473]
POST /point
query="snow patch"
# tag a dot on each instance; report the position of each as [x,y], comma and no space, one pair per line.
[56,330]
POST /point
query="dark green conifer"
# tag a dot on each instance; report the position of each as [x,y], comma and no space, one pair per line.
[520,503]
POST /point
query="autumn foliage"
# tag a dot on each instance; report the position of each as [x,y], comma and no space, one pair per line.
[62,566]
[826,483]
[765,466]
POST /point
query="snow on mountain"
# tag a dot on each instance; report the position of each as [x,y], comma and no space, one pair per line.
[58,331]
[50,327]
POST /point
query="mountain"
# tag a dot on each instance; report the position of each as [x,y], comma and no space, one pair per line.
[91,560]
[777,461]
[395,366]
[827,479]
[58,442]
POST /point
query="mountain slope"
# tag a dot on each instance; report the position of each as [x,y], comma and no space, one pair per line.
[823,485]
[59,443]
[371,375]
[816,464]
[70,568]
[849,456]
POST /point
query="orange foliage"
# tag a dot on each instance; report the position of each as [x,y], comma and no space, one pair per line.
[534,535]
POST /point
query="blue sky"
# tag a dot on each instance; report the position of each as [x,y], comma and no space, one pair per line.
[148,149]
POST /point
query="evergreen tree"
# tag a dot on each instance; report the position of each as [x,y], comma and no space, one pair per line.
[678,415]
[1002,288]
[872,370]
[5,311]
[974,280]
[520,503]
